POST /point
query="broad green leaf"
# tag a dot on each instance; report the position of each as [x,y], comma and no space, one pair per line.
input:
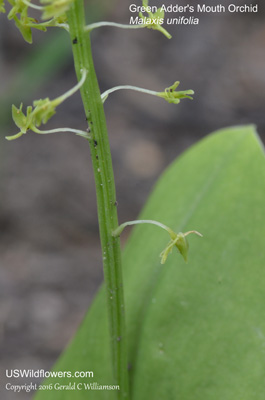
[197,330]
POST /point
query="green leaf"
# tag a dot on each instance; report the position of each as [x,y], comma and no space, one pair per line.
[197,330]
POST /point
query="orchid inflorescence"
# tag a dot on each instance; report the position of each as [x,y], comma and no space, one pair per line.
[52,10]
[54,14]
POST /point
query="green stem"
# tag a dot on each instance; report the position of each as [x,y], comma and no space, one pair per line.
[90,27]
[58,130]
[13,137]
[40,8]
[127,87]
[118,231]
[71,91]
[106,196]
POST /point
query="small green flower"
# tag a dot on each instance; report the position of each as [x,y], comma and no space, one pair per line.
[19,13]
[176,239]
[55,8]
[153,19]
[179,240]
[19,118]
[2,6]
[18,7]
[41,112]
[22,121]
[172,96]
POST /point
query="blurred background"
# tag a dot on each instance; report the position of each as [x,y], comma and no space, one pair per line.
[50,260]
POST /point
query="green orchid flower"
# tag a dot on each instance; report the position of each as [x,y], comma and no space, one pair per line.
[2,6]
[154,19]
[55,8]
[178,240]
[41,112]
[172,96]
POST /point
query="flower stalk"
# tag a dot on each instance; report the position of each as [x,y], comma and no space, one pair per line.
[106,195]
[101,24]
